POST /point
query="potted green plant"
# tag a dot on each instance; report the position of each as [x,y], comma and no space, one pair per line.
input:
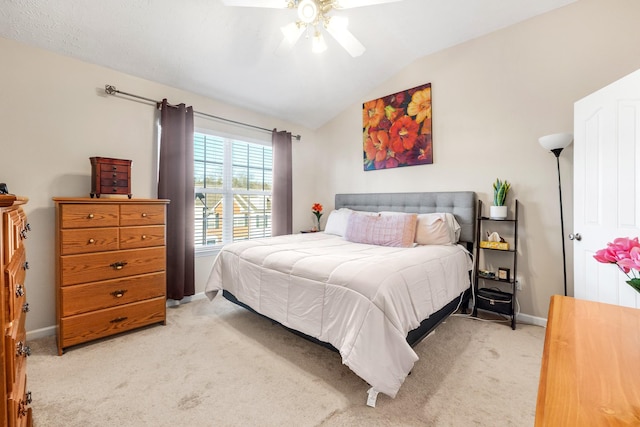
[500,191]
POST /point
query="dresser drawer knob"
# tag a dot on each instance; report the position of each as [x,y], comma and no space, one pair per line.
[114,168]
[28,227]
[144,215]
[118,319]
[118,265]
[19,291]
[90,216]
[92,241]
[23,350]
[23,234]
[144,237]
[29,399]
[115,174]
[115,182]
[25,266]
[119,293]
[22,409]
[25,307]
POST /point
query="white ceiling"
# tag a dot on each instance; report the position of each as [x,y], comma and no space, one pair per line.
[227,53]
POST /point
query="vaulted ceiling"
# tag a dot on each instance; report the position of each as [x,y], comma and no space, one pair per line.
[228,53]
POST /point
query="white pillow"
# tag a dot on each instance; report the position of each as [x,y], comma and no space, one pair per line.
[453,225]
[437,229]
[337,222]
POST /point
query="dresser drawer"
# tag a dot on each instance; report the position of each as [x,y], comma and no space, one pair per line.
[110,265]
[17,352]
[141,237]
[18,405]
[102,323]
[15,229]
[84,240]
[89,215]
[95,296]
[109,167]
[115,180]
[14,278]
[141,214]
[119,179]
[112,189]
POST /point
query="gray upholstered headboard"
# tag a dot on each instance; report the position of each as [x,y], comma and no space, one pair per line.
[462,204]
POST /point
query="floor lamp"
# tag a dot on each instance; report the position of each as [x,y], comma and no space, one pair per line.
[556,143]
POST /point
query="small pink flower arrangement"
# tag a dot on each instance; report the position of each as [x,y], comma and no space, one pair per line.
[625,253]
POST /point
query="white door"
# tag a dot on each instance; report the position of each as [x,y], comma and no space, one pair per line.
[606,186]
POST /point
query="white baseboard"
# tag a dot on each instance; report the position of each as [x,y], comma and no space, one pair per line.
[531,320]
[41,333]
[51,330]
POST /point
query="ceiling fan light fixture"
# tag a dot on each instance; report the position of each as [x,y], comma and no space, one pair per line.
[326,5]
[292,32]
[318,43]
[314,15]
[307,11]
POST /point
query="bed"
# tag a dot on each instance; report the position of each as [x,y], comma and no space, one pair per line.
[369,302]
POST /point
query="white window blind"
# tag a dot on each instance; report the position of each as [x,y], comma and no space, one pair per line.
[233,181]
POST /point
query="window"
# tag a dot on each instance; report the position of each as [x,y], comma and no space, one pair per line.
[233,181]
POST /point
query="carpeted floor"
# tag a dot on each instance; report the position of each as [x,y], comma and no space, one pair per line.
[215,364]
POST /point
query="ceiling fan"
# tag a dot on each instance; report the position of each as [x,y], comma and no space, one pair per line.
[312,17]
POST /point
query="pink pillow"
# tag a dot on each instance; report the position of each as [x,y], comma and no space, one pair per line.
[392,230]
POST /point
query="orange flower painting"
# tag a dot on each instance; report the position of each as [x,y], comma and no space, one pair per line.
[396,129]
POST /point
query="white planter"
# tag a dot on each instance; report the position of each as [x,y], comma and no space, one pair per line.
[498,212]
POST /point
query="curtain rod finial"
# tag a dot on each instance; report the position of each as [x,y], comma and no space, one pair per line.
[110,89]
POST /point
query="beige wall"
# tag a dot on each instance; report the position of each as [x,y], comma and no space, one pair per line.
[54,115]
[492,98]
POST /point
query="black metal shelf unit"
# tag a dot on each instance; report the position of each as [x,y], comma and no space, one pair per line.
[489,285]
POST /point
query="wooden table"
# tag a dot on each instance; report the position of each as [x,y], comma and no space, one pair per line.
[590,373]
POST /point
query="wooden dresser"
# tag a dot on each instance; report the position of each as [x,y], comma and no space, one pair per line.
[110,267]
[590,373]
[13,258]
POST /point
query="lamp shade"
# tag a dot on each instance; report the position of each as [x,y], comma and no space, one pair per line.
[319,44]
[557,141]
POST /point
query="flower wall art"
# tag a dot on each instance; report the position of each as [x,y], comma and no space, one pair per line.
[397,129]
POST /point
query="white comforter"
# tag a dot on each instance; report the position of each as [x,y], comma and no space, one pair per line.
[362,299]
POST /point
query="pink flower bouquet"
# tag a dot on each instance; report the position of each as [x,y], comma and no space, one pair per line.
[625,253]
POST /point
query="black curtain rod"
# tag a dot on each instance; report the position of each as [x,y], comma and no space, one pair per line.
[111,90]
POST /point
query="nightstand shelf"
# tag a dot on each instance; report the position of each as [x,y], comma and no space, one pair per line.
[493,292]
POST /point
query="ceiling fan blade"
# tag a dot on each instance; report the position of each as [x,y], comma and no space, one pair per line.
[347,4]
[338,29]
[292,33]
[277,4]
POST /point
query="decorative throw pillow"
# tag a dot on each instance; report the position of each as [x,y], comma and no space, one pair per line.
[389,230]
[437,229]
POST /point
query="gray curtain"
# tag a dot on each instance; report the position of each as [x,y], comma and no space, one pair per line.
[281,203]
[175,182]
